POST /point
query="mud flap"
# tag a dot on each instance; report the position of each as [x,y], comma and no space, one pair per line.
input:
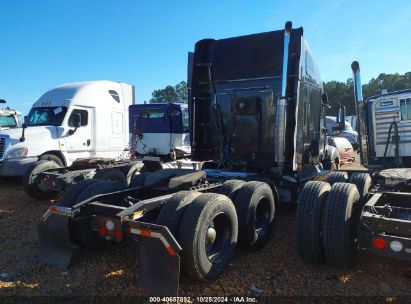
[159,271]
[56,248]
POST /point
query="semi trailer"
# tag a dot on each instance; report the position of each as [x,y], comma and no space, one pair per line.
[353,210]
[257,131]
[158,139]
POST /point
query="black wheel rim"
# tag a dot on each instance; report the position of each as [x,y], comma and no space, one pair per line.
[218,237]
[262,218]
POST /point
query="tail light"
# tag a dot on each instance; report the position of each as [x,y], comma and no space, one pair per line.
[379,243]
[102,231]
[118,234]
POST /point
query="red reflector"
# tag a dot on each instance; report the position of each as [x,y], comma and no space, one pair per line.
[54,209]
[379,243]
[145,232]
[118,234]
[102,231]
[171,251]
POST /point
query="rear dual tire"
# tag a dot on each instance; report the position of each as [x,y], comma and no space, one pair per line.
[81,232]
[339,228]
[173,210]
[255,207]
[208,235]
[206,227]
[32,187]
[337,177]
[111,174]
[309,220]
[326,223]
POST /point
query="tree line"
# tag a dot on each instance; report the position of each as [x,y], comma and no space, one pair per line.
[339,93]
[177,93]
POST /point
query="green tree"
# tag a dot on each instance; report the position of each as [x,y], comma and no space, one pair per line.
[340,93]
[177,93]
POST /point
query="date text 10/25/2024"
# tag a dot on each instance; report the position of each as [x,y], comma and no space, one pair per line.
[200,299]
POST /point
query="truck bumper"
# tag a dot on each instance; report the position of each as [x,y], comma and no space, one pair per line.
[390,246]
[16,167]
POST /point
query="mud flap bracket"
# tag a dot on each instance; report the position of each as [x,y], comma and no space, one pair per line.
[159,261]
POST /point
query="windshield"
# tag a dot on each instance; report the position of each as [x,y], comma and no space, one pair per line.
[8,121]
[46,116]
[153,113]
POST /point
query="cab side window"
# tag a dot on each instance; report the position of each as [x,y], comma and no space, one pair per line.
[83,115]
[405,108]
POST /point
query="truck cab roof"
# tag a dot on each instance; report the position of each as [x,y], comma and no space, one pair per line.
[80,92]
[389,94]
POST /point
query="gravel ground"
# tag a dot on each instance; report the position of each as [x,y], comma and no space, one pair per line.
[274,271]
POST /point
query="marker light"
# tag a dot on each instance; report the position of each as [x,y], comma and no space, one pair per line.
[102,231]
[396,246]
[110,225]
[379,243]
[54,209]
[118,234]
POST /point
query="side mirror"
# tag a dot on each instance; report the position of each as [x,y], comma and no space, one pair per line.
[324,101]
[341,118]
[324,98]
[76,120]
[24,126]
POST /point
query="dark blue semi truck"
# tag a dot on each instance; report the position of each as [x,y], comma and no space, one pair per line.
[160,129]
[257,132]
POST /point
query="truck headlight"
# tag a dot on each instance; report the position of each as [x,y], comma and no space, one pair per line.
[17,153]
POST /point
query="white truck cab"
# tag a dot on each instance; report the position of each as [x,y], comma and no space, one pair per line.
[82,119]
[9,118]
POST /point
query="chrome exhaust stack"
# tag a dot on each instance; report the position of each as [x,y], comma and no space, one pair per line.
[359,106]
[281,105]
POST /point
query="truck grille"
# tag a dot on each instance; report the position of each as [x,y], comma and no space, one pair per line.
[2,146]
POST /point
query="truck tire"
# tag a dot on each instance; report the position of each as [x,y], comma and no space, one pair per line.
[100,187]
[138,180]
[230,188]
[73,191]
[81,232]
[310,206]
[339,230]
[208,235]
[363,182]
[173,210]
[53,158]
[130,170]
[31,187]
[255,209]
[111,174]
[337,177]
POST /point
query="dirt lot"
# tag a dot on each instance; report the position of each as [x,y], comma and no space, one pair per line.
[274,271]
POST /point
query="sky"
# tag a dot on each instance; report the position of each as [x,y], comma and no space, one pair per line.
[45,43]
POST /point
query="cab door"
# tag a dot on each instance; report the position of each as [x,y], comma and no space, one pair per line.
[81,139]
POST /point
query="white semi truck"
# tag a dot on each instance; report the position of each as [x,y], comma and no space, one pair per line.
[74,120]
[9,118]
